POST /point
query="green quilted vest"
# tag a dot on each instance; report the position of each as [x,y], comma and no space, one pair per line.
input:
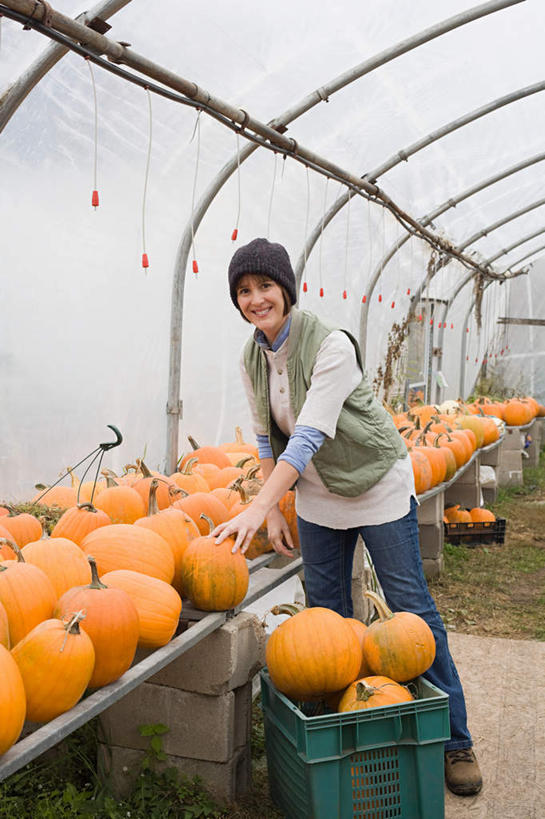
[366,442]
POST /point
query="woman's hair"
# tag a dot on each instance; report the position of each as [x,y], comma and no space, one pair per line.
[262,277]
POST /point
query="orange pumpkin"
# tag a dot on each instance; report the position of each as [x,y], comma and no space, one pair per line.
[373,692]
[78,521]
[125,546]
[162,483]
[6,546]
[27,595]
[157,603]
[422,472]
[398,645]
[111,622]
[61,560]
[313,653]
[23,528]
[360,629]
[4,627]
[206,455]
[190,481]
[239,445]
[227,495]
[203,503]
[477,514]
[516,413]
[177,528]
[122,504]
[62,496]
[56,660]
[213,577]
[12,701]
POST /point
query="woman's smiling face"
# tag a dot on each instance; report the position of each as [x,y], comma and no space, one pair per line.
[261,302]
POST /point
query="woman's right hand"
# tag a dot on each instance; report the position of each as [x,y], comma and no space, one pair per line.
[279,533]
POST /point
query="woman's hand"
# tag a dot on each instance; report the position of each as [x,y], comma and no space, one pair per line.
[279,533]
[245,525]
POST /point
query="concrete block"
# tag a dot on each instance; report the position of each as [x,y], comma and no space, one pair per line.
[433,568]
[225,781]
[490,493]
[200,726]
[431,511]
[224,660]
[490,458]
[431,540]
[513,440]
[467,495]
[243,715]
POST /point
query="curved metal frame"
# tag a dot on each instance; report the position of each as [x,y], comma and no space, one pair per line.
[28,80]
[320,95]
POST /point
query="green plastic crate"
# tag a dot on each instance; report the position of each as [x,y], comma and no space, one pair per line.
[378,763]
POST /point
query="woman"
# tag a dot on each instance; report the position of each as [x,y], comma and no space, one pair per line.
[319,426]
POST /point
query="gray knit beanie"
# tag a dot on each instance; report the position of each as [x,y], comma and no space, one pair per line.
[262,257]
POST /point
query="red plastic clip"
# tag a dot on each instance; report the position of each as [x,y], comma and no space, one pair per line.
[501,351]
[467,358]
[94,199]
[234,235]
[467,329]
[380,296]
[363,299]
[305,287]
[344,294]
[408,291]
[393,304]
[321,292]
[145,260]
[195,266]
[420,317]
[451,326]
[431,322]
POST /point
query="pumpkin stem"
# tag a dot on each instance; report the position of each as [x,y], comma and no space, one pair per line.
[287,608]
[187,468]
[87,505]
[174,491]
[364,691]
[96,582]
[193,442]
[238,436]
[209,521]
[73,478]
[240,464]
[381,606]
[72,626]
[16,549]
[153,506]
[245,496]
[143,468]
[111,478]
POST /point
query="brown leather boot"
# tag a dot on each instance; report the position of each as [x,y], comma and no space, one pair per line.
[462,772]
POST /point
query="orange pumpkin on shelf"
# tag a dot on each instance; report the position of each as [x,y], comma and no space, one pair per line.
[203,503]
[61,560]
[78,521]
[12,701]
[189,480]
[126,546]
[62,496]
[27,594]
[206,454]
[122,504]
[4,627]
[23,528]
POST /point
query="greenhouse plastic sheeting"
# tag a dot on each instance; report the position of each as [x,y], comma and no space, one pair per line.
[86,330]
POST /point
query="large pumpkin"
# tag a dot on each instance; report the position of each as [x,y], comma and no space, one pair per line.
[111,621]
[157,603]
[373,692]
[78,521]
[4,627]
[398,645]
[213,577]
[62,496]
[61,560]
[23,528]
[56,660]
[27,594]
[12,701]
[126,546]
[313,653]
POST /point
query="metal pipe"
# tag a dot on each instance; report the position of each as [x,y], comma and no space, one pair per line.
[527,256]
[514,245]
[21,88]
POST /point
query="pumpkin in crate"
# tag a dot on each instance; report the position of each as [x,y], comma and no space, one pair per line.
[312,654]
[398,645]
[23,528]
[213,577]
[126,546]
[111,621]
[157,603]
[56,660]
[27,595]
[176,527]
[61,560]
[478,515]
[12,701]
[373,692]
[78,521]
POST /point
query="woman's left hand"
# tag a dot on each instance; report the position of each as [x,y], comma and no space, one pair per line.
[245,525]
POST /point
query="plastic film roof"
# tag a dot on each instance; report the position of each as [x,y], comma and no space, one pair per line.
[86,331]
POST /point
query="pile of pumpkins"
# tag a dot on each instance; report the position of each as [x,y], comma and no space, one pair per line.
[442,438]
[457,514]
[110,577]
[317,655]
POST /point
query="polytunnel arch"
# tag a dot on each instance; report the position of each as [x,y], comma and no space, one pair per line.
[359,164]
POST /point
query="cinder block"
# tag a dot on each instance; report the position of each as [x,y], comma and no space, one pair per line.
[243,715]
[431,511]
[467,495]
[226,781]
[431,540]
[226,659]
[513,440]
[200,726]
[432,568]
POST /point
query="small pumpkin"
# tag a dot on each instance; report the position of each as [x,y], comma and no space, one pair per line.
[312,654]
[206,455]
[111,622]
[62,496]
[213,577]
[398,645]
[12,701]
[203,503]
[188,480]
[373,692]
[56,660]
[78,521]
[122,503]
[23,528]
[478,515]
[157,603]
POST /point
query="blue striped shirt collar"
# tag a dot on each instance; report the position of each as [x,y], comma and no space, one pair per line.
[261,338]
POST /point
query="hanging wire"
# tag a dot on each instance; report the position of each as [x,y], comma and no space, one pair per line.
[347,243]
[383,248]
[370,243]
[94,196]
[322,239]
[196,130]
[271,197]
[234,234]
[145,260]
[305,286]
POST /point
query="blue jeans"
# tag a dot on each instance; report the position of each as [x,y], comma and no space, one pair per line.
[328,555]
